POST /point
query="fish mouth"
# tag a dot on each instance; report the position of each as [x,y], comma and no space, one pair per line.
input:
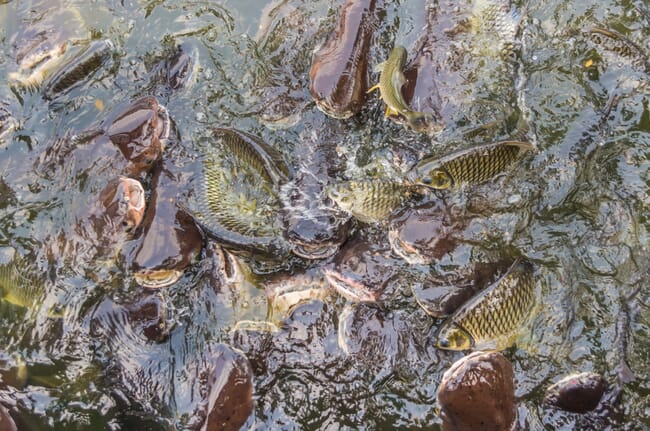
[351,289]
[329,110]
[314,251]
[157,278]
[406,251]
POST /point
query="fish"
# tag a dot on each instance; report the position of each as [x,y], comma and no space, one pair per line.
[391,81]
[78,68]
[253,152]
[492,318]
[472,166]
[621,45]
[169,240]
[497,22]
[339,69]
[369,201]
[19,283]
[311,224]
[237,201]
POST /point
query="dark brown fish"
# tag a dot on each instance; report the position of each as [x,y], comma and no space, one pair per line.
[229,399]
[477,393]
[421,90]
[339,71]
[577,393]
[170,240]
[313,225]
[423,233]
[363,270]
[140,131]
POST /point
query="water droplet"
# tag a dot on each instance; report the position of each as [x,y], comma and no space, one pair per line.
[513,199]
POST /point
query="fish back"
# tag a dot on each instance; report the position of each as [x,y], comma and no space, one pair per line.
[501,309]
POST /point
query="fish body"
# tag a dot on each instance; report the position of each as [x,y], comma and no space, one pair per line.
[391,81]
[369,201]
[493,317]
[78,68]
[255,153]
[615,42]
[169,240]
[338,74]
[238,198]
[471,166]
[311,224]
[19,284]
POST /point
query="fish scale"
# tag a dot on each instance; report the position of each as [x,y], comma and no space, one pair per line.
[497,312]
[480,167]
[473,165]
[369,201]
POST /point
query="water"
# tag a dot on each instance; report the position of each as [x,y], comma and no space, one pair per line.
[82,355]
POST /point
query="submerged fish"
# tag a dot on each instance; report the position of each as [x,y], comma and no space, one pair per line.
[40,44]
[238,199]
[473,165]
[19,283]
[497,22]
[615,42]
[491,319]
[7,122]
[253,152]
[78,68]
[369,201]
[391,81]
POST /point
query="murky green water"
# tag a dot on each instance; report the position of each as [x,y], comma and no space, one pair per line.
[577,208]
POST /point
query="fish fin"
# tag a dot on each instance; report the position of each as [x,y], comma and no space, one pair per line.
[373,88]
[390,112]
[521,144]
[379,67]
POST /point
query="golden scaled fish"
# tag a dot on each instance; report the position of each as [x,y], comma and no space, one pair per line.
[78,69]
[615,42]
[471,166]
[237,200]
[369,201]
[391,81]
[492,319]
[253,152]
[19,284]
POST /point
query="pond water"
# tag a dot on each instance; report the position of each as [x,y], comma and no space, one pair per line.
[86,351]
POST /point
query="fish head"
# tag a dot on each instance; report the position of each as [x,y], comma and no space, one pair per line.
[434,178]
[123,202]
[452,337]
[342,194]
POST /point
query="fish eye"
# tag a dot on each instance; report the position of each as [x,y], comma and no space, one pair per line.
[444,343]
[426,180]
[442,180]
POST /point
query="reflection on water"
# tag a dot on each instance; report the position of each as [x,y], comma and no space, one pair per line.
[88,348]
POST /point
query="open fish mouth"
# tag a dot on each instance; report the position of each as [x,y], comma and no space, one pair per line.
[320,251]
[157,278]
